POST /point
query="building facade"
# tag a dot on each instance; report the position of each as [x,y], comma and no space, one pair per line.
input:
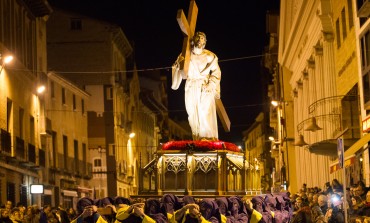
[318,75]
[69,170]
[23,153]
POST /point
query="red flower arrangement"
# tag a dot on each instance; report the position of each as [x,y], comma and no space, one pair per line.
[200,145]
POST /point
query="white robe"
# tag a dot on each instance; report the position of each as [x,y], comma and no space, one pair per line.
[200,105]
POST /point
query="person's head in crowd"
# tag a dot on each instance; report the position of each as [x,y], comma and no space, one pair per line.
[316,213]
[298,203]
[304,187]
[9,205]
[121,201]
[356,202]
[46,209]
[335,200]
[236,205]
[83,203]
[223,205]
[106,201]
[258,203]
[208,208]
[315,198]
[322,200]
[153,209]
[360,190]
[310,197]
[15,215]
[337,187]
[327,188]
[352,190]
[5,213]
[171,203]
[270,202]
[188,200]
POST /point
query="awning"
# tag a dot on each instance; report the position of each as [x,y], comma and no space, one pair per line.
[356,146]
[69,193]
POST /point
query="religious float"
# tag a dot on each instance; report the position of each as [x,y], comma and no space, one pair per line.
[195,168]
[198,167]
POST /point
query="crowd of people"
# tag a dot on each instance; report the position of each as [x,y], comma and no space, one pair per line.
[309,205]
[327,204]
[34,214]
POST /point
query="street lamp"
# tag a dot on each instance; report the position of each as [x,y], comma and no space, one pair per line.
[278,141]
[5,60]
[132,135]
[41,89]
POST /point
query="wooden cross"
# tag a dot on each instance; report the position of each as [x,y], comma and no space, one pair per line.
[187,26]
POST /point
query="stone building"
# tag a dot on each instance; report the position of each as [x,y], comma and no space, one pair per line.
[68,173]
[318,75]
[95,54]
[23,154]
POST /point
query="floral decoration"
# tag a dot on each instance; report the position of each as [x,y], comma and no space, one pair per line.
[200,145]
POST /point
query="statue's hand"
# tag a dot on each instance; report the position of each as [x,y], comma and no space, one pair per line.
[208,88]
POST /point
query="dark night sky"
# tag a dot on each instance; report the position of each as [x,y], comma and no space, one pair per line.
[235,33]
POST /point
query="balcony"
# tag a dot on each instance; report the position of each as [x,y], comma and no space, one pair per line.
[327,118]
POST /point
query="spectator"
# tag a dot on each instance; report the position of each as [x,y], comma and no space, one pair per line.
[44,214]
[316,215]
[15,215]
[328,189]
[335,214]
[322,200]
[71,214]
[5,214]
[337,187]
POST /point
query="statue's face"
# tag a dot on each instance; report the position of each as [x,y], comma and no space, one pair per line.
[200,41]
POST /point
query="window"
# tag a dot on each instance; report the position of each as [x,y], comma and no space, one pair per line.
[21,117]
[65,151]
[76,24]
[74,102]
[83,106]
[9,106]
[109,91]
[337,32]
[52,89]
[344,25]
[32,130]
[350,14]
[76,152]
[97,162]
[63,96]
[365,68]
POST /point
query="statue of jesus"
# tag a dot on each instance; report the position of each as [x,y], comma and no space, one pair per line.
[202,87]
